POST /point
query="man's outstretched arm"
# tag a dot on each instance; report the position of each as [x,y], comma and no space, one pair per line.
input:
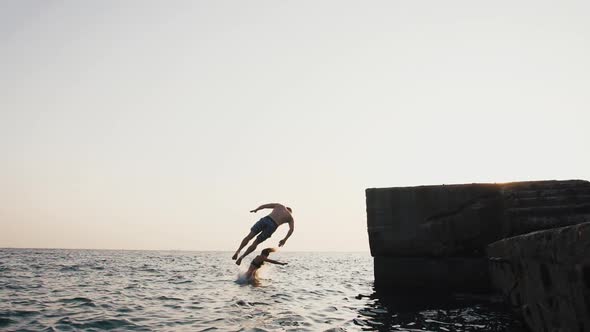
[266,206]
[291,229]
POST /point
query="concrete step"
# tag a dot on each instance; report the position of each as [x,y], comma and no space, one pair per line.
[543,185]
[523,225]
[567,192]
[555,210]
[524,202]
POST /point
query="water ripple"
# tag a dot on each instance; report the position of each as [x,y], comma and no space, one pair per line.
[63,290]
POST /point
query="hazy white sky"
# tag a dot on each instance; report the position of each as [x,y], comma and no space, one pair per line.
[159,125]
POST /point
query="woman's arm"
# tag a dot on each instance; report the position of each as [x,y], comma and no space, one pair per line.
[274,262]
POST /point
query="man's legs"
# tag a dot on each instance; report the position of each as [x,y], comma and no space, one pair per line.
[251,248]
[243,244]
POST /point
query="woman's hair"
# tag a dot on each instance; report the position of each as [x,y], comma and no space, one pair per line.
[267,251]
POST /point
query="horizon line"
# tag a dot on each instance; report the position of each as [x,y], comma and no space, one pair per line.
[179,250]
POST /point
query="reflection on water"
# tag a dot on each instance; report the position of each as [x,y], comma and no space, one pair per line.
[389,312]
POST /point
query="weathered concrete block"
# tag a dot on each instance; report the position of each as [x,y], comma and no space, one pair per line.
[417,221]
[461,220]
[458,221]
[431,274]
[532,206]
[546,276]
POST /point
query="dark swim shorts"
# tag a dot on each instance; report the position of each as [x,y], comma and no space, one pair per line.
[265,226]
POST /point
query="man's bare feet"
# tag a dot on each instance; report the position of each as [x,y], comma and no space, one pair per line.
[235,256]
[239,261]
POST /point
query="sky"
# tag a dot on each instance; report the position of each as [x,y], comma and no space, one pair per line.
[161,124]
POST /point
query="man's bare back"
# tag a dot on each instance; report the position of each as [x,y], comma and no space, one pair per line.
[280,215]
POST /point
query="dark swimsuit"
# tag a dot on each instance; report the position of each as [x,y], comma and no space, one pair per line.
[257,265]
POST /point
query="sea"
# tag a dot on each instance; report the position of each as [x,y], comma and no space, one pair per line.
[96,290]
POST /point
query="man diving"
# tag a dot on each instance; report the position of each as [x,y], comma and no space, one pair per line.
[279,215]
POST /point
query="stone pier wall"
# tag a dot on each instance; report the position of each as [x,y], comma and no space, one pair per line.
[546,277]
[435,237]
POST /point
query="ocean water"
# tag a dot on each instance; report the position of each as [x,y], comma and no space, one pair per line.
[93,290]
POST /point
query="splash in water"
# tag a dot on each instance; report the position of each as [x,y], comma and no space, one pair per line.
[253,275]
[254,279]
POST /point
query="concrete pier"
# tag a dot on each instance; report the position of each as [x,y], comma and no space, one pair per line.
[435,237]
